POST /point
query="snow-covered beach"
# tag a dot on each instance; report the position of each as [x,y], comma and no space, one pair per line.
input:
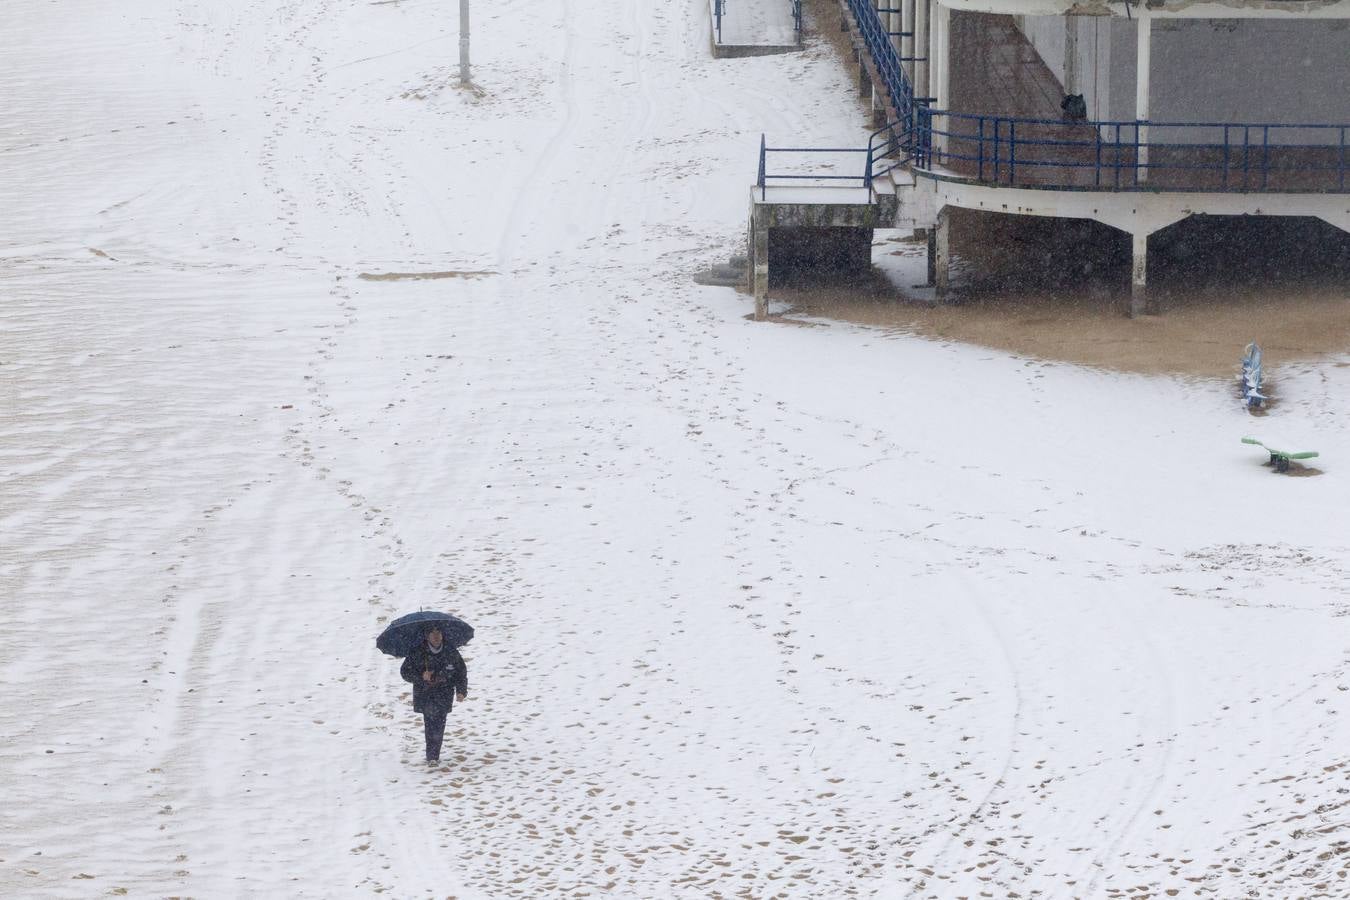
[296,335]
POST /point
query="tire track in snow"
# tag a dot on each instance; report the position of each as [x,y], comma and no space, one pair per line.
[1000,782]
[527,196]
[1159,761]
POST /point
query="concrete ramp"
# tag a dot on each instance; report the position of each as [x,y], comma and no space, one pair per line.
[752,27]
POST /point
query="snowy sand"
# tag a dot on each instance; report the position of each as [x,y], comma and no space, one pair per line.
[761,611]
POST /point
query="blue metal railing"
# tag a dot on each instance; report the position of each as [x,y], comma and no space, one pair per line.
[1239,157]
[887,149]
[797,20]
[718,7]
[884,57]
[812,179]
[890,147]
[1135,156]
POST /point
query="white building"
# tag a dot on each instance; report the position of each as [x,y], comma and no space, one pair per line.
[1228,108]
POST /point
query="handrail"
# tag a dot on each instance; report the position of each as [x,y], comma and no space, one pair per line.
[884,56]
[887,149]
[763,152]
[864,179]
[1127,155]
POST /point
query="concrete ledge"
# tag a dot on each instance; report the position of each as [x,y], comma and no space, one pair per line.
[816,215]
[808,235]
[1131,211]
[753,28]
[1165,9]
[741,51]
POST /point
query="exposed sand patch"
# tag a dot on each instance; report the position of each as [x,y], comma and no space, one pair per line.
[423,276]
[1203,338]
[1296,470]
[1063,296]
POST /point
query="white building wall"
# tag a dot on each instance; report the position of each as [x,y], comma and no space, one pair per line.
[1050,36]
[1263,70]
[1120,73]
[1046,34]
[1216,70]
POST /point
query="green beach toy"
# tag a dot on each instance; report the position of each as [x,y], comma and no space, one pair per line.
[1280,458]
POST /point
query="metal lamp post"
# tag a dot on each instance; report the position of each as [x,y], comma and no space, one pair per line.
[463,41]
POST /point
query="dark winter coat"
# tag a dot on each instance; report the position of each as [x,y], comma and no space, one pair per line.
[449,676]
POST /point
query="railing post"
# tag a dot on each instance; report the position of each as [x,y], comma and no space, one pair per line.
[926,137]
[1140,161]
[1117,178]
[1341,166]
[980,168]
[1265,157]
[1246,156]
[867,173]
[1097,170]
[1012,152]
[1225,157]
[763,151]
[998,150]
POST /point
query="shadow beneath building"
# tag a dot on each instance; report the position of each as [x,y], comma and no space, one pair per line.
[1058,289]
[806,256]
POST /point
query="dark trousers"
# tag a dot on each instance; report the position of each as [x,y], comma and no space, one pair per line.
[433,722]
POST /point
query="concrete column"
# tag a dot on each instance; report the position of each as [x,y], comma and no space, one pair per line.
[887,24]
[942,66]
[942,256]
[864,82]
[759,262]
[941,70]
[883,17]
[930,235]
[934,53]
[921,47]
[1143,59]
[1139,275]
[907,43]
[893,24]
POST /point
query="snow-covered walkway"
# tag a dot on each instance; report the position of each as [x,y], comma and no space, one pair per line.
[757,23]
[295,335]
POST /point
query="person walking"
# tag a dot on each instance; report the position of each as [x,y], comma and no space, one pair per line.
[439,677]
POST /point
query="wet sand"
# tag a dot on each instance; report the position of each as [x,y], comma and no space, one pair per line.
[1057,290]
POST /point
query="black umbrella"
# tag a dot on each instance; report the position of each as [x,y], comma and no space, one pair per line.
[405,632]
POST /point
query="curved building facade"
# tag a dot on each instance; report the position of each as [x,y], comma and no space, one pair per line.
[1134,114]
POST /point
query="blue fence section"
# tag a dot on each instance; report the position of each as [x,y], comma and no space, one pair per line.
[797,20]
[1135,156]
[719,6]
[887,148]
